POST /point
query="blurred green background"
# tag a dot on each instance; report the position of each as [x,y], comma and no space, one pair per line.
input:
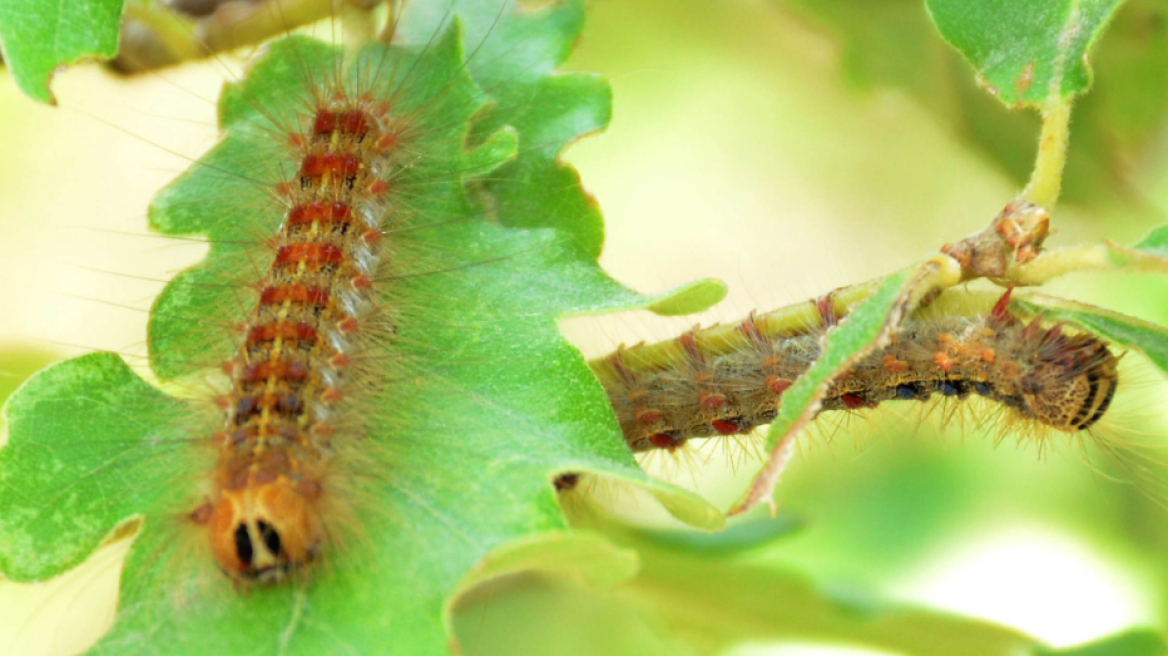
[787,147]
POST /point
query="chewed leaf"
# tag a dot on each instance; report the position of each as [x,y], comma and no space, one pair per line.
[1025,52]
[74,430]
[36,37]
[465,439]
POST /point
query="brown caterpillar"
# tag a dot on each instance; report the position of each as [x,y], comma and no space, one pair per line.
[298,342]
[1063,381]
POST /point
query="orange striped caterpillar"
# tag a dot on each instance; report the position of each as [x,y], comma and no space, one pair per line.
[300,340]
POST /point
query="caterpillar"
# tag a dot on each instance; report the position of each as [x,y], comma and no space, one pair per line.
[1063,381]
[301,337]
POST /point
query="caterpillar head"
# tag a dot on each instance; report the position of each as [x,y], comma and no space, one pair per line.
[261,533]
[1073,382]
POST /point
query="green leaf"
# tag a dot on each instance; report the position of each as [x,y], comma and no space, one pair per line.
[549,111]
[493,405]
[863,330]
[1027,51]
[1156,243]
[893,44]
[37,36]
[1131,643]
[715,604]
[1119,329]
[737,539]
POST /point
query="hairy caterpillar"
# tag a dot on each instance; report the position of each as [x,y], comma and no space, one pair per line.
[722,242]
[354,240]
[301,338]
[1062,381]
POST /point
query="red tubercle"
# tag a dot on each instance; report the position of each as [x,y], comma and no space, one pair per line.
[372,236]
[296,140]
[227,367]
[284,330]
[749,328]
[330,395]
[339,361]
[336,165]
[893,365]
[349,325]
[853,401]
[988,355]
[648,416]
[777,385]
[724,427]
[292,371]
[689,344]
[324,123]
[378,188]
[223,401]
[353,122]
[311,253]
[663,441]
[320,212]
[388,142]
[294,294]
[711,400]
[361,282]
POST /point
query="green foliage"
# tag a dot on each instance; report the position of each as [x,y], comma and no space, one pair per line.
[527,407]
[1025,51]
[463,494]
[38,36]
[1114,123]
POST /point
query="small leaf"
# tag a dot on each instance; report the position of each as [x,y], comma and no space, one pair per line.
[1156,243]
[1025,51]
[865,328]
[1129,332]
[38,36]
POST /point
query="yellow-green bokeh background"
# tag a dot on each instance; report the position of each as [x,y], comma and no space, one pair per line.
[758,141]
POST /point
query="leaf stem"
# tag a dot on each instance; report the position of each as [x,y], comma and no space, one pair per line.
[1046,180]
[720,339]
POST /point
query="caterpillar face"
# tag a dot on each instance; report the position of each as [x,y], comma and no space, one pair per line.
[262,533]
